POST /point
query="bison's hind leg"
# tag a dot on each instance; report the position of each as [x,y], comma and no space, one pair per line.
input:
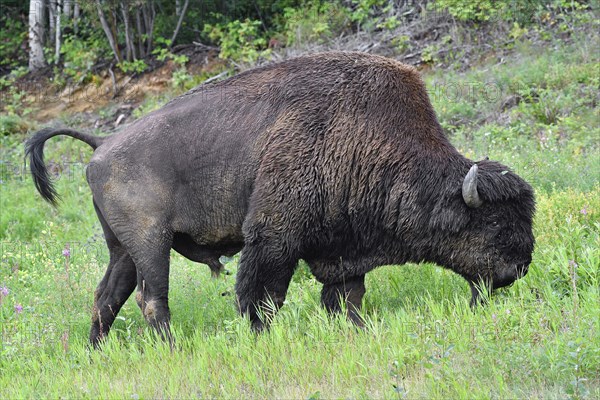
[147,238]
[151,256]
[115,287]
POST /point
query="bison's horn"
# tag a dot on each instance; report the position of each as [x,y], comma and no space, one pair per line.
[469,188]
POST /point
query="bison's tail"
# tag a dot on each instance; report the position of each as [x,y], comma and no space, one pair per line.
[34,148]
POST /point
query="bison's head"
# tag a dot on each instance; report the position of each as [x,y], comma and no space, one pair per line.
[486,227]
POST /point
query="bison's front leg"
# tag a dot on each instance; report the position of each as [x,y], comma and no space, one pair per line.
[480,291]
[350,291]
[262,281]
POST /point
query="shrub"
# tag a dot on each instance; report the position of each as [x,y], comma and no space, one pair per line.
[79,55]
[12,124]
[240,41]
[13,36]
[315,22]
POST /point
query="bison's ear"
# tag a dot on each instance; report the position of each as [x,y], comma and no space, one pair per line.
[450,212]
[498,183]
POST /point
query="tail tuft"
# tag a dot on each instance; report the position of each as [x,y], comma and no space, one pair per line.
[34,149]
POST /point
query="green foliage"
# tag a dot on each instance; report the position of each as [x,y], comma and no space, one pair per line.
[13,40]
[78,58]
[401,43]
[240,41]
[180,78]
[163,52]
[474,10]
[136,66]
[9,80]
[150,104]
[12,100]
[371,14]
[79,55]
[315,22]
[541,106]
[521,12]
[13,124]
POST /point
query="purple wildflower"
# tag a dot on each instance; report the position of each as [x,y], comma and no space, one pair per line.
[584,210]
[573,264]
[4,291]
[18,308]
[66,252]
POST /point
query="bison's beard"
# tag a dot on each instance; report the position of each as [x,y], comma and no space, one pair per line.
[482,287]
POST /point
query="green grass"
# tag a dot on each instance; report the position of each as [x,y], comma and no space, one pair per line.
[539,338]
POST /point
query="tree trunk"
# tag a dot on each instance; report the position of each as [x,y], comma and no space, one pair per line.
[149,13]
[58,36]
[67,7]
[140,33]
[52,18]
[112,39]
[36,34]
[128,33]
[181,15]
[76,12]
[177,8]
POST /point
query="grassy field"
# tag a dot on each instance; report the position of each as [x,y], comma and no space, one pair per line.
[537,112]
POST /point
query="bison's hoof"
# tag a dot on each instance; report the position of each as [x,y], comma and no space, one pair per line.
[258,326]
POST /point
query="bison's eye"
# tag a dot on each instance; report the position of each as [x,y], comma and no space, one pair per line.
[494,224]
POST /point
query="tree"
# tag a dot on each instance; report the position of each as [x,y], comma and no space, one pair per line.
[36,34]
[181,14]
[110,31]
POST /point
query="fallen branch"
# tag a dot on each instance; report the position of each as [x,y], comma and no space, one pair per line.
[216,77]
[205,46]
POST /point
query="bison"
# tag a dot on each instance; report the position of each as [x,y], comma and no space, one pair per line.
[334,158]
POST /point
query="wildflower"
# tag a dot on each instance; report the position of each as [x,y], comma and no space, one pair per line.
[3,293]
[573,264]
[584,210]
[18,308]
[66,252]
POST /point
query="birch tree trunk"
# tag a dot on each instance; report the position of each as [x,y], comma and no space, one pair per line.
[67,7]
[58,36]
[36,34]
[76,12]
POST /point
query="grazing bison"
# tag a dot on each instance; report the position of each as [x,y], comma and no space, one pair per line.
[334,158]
